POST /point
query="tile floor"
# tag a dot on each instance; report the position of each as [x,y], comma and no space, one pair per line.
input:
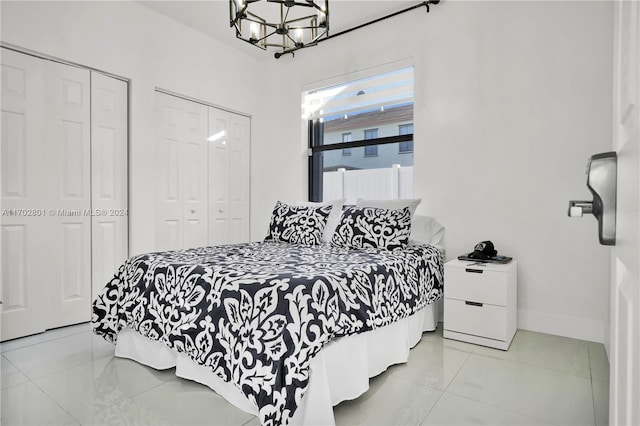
[69,376]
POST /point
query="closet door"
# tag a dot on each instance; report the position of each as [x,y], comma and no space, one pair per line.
[47,176]
[67,176]
[109,219]
[46,234]
[181,184]
[229,177]
[24,211]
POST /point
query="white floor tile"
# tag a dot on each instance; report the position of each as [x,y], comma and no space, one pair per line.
[455,410]
[541,378]
[547,351]
[10,375]
[178,402]
[95,386]
[56,355]
[26,404]
[435,337]
[431,364]
[536,392]
[44,337]
[389,401]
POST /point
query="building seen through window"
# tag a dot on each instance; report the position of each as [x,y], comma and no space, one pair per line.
[393,121]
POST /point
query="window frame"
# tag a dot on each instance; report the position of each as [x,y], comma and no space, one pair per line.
[315,126]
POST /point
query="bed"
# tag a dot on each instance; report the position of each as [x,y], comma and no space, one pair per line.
[267,324]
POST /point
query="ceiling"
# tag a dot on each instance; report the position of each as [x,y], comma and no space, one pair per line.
[211,17]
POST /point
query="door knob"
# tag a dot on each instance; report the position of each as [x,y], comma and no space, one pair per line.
[602,182]
[578,208]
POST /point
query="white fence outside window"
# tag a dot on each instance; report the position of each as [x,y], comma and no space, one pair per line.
[372,184]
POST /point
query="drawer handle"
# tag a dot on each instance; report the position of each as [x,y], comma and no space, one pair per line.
[475,271]
[473,303]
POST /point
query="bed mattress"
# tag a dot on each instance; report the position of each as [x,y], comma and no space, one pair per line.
[255,315]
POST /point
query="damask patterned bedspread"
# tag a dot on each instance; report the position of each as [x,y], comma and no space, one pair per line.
[257,313]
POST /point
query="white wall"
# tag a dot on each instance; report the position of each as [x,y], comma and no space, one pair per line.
[127,39]
[511,98]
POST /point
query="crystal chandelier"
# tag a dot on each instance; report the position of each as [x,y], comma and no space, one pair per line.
[286,24]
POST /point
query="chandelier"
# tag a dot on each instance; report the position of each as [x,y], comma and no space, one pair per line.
[286,24]
[291,25]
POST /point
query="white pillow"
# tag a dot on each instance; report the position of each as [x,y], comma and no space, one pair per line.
[334,216]
[426,230]
[412,203]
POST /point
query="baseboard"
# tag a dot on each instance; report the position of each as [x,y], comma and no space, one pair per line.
[576,328]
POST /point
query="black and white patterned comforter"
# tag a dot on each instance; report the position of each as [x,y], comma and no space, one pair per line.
[257,313]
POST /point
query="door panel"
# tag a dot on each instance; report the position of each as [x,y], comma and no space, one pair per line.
[74,246]
[168,182]
[625,294]
[240,179]
[109,194]
[195,150]
[24,310]
[219,177]
[181,190]
[14,250]
[229,177]
[68,177]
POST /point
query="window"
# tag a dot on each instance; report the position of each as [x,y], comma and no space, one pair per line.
[405,129]
[375,111]
[371,150]
[370,134]
[346,137]
[406,146]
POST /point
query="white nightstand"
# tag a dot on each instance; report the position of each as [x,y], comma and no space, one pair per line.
[480,302]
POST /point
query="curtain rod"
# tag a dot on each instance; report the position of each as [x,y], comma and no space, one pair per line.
[424,3]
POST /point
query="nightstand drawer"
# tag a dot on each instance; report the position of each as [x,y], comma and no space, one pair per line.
[487,321]
[477,284]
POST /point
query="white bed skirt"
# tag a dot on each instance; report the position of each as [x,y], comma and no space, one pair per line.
[340,372]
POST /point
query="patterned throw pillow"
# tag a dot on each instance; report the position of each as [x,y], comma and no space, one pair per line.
[298,224]
[370,227]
